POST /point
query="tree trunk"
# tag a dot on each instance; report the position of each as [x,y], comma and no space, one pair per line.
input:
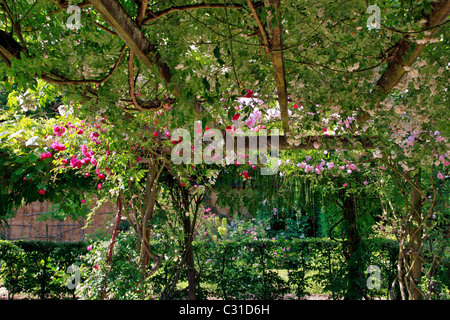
[113,240]
[351,247]
[191,272]
[189,253]
[415,244]
[151,194]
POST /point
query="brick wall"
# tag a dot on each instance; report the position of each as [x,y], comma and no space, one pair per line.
[26,225]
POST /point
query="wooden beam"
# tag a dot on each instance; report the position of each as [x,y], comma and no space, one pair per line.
[128,30]
[320,142]
[276,50]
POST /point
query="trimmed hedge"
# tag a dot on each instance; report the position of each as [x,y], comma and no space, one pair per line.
[265,269]
[38,267]
[254,269]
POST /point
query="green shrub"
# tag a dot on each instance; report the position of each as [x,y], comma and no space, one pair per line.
[120,279]
[12,267]
[243,269]
[254,268]
[38,267]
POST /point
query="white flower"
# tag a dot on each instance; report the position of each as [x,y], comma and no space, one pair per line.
[354,67]
[422,41]
[377,154]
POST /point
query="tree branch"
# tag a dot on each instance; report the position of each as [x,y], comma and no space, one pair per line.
[64,81]
[65,4]
[141,12]
[105,28]
[16,27]
[408,53]
[404,57]
[156,15]
[261,28]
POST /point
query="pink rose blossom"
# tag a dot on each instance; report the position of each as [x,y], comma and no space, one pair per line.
[75,163]
[59,130]
[46,155]
[58,146]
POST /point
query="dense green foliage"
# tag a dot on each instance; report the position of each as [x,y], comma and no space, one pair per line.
[38,268]
[261,269]
[234,266]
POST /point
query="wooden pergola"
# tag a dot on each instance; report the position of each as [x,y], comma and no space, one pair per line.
[130,31]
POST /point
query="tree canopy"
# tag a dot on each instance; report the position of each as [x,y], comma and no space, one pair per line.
[130,56]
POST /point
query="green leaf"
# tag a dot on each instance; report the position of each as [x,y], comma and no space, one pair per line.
[216,52]
[206,83]
[204,122]
[33,157]
[16,175]
[40,165]
[231,113]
